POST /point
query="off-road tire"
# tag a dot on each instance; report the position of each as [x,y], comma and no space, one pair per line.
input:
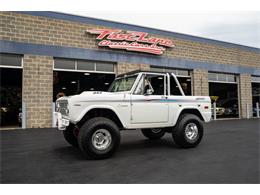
[179,135]
[70,135]
[150,133]
[85,138]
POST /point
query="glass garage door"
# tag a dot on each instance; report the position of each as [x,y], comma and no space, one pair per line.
[72,77]
[10,90]
[223,89]
[256,95]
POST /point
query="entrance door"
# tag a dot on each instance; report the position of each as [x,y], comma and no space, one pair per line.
[71,77]
[72,83]
[255,95]
[11,97]
[148,102]
[223,90]
[10,90]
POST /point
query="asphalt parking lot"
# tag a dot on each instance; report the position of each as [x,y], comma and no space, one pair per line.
[229,153]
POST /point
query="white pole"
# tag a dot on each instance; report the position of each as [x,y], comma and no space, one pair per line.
[257,109]
[214,111]
[53,115]
[23,115]
[247,111]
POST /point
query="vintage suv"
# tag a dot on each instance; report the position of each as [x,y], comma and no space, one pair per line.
[151,101]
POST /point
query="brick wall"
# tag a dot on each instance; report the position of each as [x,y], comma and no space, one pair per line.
[42,30]
[38,72]
[127,67]
[200,82]
[245,92]
[37,90]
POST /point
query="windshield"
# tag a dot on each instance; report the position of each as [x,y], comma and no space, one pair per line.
[122,84]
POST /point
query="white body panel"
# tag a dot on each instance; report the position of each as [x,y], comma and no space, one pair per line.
[144,109]
[137,111]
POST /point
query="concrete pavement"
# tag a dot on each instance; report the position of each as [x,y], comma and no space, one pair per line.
[228,153]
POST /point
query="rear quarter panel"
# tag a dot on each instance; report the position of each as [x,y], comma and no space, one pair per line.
[179,103]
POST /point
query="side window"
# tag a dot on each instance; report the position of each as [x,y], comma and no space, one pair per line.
[174,87]
[154,83]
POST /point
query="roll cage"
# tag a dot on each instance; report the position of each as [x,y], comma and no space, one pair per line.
[166,81]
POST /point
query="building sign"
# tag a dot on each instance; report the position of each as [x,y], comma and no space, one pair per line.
[131,41]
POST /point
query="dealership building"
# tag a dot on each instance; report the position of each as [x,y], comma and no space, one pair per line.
[44,55]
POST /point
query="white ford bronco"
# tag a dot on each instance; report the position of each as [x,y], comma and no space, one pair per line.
[151,101]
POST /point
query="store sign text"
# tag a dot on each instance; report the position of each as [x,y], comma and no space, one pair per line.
[131,41]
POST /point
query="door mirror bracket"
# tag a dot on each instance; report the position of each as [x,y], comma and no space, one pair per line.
[149,92]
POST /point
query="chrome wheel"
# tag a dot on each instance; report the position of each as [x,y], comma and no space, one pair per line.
[156,130]
[101,139]
[191,131]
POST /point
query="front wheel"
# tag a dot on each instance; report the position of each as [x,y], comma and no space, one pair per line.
[188,131]
[99,138]
[153,133]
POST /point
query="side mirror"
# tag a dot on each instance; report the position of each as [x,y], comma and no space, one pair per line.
[149,92]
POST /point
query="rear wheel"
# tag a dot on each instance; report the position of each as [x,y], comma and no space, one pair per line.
[153,133]
[188,131]
[99,138]
[70,135]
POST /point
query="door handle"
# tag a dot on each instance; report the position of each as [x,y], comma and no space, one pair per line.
[164,97]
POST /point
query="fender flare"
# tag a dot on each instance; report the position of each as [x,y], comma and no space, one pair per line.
[187,108]
[89,108]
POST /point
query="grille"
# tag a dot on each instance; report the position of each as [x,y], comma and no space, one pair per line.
[63,107]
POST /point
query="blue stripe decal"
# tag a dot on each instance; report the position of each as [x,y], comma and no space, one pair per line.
[151,100]
[89,20]
[117,56]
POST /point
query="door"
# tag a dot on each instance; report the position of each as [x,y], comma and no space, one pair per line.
[149,101]
[10,97]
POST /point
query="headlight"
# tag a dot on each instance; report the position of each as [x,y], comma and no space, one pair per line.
[62,107]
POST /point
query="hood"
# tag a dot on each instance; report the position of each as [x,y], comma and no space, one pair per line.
[97,95]
[101,93]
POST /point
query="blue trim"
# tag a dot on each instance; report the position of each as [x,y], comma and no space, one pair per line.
[89,20]
[118,56]
[152,100]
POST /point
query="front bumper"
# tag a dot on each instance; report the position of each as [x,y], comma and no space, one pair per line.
[61,122]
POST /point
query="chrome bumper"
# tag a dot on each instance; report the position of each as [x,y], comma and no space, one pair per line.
[61,122]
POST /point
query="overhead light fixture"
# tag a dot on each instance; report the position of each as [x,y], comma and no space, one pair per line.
[91,89]
[106,83]
[86,74]
[73,82]
[63,87]
[160,78]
